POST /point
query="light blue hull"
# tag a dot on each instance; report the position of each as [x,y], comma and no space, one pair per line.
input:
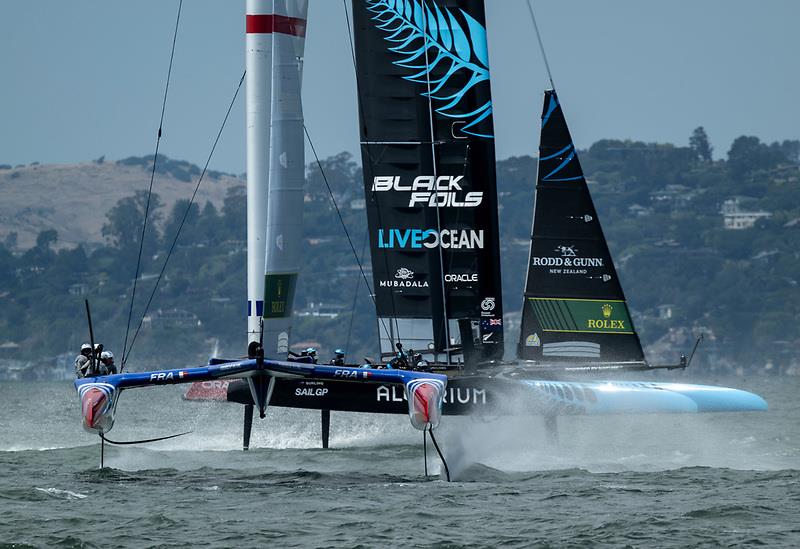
[639,397]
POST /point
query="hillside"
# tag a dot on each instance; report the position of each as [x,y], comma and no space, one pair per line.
[701,246]
[74,198]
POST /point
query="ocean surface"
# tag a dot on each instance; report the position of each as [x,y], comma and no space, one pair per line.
[636,481]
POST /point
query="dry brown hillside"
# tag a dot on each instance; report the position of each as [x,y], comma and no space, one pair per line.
[74,198]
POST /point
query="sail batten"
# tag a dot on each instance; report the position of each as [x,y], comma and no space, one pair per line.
[574,308]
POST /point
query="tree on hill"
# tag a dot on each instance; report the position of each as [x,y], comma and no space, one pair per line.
[177,217]
[749,154]
[675,250]
[10,241]
[46,239]
[699,143]
[790,149]
[41,254]
[124,226]
[234,212]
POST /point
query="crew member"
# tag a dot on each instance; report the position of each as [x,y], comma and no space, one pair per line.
[338,358]
[312,353]
[83,361]
[400,360]
[107,365]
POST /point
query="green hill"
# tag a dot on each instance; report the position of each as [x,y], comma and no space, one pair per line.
[664,211]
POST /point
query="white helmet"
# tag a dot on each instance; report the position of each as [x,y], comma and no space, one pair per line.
[86,347]
[107,355]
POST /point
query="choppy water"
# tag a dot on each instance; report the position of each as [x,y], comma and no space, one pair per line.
[708,480]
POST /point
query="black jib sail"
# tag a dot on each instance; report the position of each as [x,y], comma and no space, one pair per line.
[429,173]
[574,309]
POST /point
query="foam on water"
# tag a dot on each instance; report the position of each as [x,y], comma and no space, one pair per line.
[719,479]
[62,494]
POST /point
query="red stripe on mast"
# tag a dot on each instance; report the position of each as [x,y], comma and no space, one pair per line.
[268,23]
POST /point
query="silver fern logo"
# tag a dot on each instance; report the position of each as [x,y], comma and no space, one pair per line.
[435,47]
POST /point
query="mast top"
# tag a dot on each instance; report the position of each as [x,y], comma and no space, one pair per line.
[541,47]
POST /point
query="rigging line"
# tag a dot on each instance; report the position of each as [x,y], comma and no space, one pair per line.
[445,319]
[150,190]
[344,227]
[350,35]
[362,119]
[355,295]
[459,213]
[185,215]
[541,45]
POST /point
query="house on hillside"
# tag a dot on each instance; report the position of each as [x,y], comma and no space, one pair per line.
[674,194]
[171,318]
[735,218]
[323,310]
[235,246]
[80,289]
[638,210]
[664,311]
[9,349]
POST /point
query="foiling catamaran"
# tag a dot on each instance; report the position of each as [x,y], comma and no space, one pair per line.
[428,159]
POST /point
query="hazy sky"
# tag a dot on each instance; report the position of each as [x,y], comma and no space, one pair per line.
[82,79]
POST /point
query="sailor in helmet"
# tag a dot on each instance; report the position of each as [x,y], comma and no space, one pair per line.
[83,361]
[107,365]
[310,352]
[338,358]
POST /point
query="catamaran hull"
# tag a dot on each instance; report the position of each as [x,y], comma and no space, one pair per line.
[498,396]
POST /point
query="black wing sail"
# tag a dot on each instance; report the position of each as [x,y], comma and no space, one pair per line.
[574,309]
[429,171]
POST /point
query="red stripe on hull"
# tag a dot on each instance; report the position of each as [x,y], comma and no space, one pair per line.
[93,402]
[422,400]
[269,23]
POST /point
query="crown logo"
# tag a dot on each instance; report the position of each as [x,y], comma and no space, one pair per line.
[607,309]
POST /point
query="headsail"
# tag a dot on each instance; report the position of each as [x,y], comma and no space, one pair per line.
[429,172]
[276,40]
[574,309]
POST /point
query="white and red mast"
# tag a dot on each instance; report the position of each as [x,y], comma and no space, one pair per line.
[275,166]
